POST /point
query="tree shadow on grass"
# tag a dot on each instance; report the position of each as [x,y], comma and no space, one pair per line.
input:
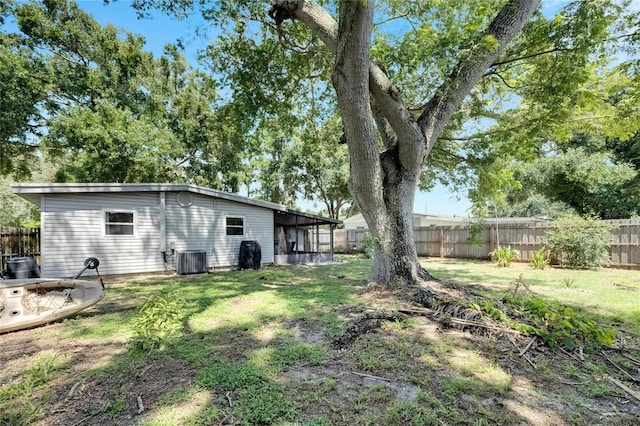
[257,350]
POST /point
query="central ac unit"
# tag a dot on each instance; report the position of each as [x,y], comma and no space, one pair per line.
[192,262]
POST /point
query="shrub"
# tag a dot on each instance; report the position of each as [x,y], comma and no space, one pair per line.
[367,244]
[339,250]
[580,242]
[540,259]
[476,234]
[568,282]
[503,256]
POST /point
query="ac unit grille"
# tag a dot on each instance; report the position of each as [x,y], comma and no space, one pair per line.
[192,262]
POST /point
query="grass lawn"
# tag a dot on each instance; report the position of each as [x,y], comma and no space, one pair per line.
[613,294]
[258,348]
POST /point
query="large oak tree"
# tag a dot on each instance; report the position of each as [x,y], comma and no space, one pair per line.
[422,87]
[383,180]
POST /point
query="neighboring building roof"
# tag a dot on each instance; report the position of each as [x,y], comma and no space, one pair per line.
[419,219]
[33,191]
[423,219]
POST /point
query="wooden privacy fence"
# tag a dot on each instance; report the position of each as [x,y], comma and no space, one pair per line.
[19,242]
[454,241]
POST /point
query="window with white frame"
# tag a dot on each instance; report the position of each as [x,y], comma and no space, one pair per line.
[235,226]
[119,223]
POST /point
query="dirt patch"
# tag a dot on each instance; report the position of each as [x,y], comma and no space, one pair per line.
[115,399]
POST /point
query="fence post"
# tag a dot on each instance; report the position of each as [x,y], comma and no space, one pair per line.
[492,238]
[441,242]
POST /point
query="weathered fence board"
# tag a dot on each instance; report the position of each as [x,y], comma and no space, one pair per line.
[454,241]
[19,242]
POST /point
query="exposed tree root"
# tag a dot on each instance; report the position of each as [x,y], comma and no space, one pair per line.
[463,307]
[449,306]
[424,297]
[367,322]
[424,274]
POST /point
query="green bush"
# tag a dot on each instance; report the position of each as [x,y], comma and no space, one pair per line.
[503,256]
[368,243]
[339,250]
[476,234]
[541,259]
[580,242]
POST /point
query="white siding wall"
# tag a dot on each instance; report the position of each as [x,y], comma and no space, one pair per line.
[202,227]
[72,231]
[188,227]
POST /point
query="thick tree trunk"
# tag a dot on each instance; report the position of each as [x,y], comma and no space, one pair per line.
[395,262]
[383,184]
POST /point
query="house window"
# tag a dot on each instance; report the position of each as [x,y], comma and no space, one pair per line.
[119,223]
[235,226]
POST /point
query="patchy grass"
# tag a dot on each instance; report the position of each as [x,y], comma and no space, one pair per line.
[255,347]
[611,294]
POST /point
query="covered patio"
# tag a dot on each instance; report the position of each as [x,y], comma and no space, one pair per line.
[297,238]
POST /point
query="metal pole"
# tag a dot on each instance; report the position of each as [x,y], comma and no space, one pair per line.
[318,242]
[331,240]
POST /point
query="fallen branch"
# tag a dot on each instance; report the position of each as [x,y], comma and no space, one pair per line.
[417,311]
[631,358]
[453,320]
[569,354]
[572,383]
[526,348]
[479,324]
[228,399]
[88,417]
[370,376]
[622,370]
[140,405]
[74,388]
[623,387]
[529,361]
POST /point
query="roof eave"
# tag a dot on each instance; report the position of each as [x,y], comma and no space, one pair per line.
[33,192]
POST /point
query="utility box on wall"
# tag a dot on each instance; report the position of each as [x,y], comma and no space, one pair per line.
[191,262]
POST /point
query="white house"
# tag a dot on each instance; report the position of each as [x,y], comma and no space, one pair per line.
[422,219]
[419,219]
[134,228]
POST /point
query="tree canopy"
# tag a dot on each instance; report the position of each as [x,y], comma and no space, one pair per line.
[92,98]
[457,90]
[453,91]
[104,107]
[587,176]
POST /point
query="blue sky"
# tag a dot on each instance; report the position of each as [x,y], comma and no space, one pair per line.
[162,29]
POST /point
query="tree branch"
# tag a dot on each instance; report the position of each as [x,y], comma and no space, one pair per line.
[525,125]
[394,18]
[311,15]
[496,73]
[470,69]
[522,58]
[386,95]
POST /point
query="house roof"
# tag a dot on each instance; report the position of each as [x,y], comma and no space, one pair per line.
[358,219]
[33,191]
